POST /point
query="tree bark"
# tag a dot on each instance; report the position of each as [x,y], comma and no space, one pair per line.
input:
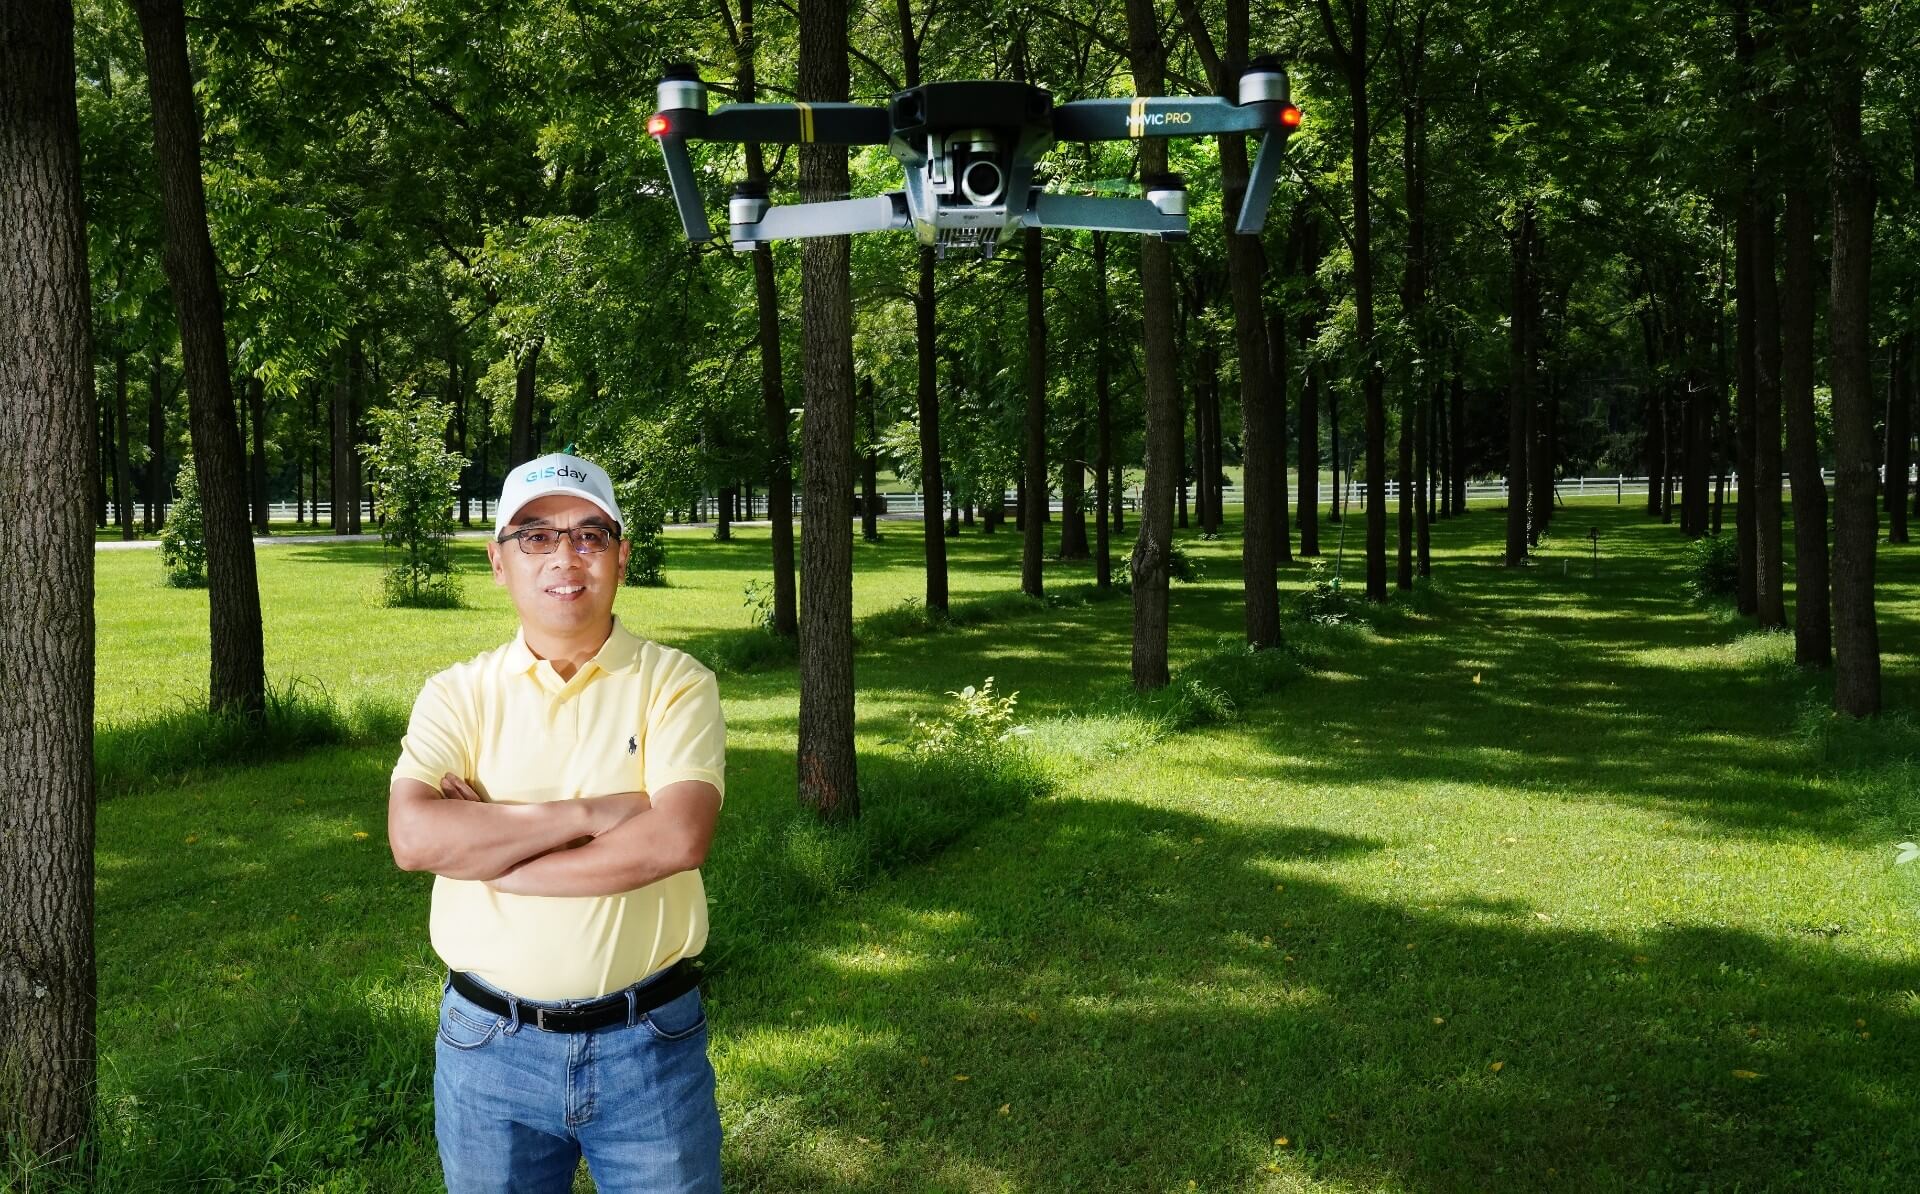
[1034,522]
[154,511]
[1308,501]
[257,459]
[870,470]
[1519,390]
[1856,635]
[927,397]
[1151,550]
[1746,597]
[237,674]
[1457,437]
[524,445]
[1769,599]
[122,469]
[1103,468]
[827,770]
[1812,613]
[47,988]
[1899,425]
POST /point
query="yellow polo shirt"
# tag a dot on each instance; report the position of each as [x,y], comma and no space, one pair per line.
[636,717]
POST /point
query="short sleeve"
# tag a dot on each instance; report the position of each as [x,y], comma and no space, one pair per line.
[436,742]
[686,734]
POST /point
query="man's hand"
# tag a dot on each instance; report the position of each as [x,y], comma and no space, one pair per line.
[670,834]
[458,833]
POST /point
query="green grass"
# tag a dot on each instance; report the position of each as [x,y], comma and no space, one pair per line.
[1574,825]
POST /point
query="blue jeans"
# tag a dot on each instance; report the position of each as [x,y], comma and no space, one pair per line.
[516,1108]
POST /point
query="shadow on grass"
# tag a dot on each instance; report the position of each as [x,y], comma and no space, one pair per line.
[1134,1003]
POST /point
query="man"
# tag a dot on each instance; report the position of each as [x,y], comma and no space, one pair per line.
[564,788]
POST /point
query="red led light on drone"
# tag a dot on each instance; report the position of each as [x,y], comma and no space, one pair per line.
[659,126]
[1290,116]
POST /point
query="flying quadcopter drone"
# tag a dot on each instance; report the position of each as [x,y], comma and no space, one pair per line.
[968,150]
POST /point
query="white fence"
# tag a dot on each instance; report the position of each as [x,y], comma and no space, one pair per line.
[1620,488]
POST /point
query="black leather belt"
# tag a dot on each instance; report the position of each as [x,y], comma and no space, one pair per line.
[669,985]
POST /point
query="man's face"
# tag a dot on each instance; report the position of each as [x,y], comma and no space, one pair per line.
[565,593]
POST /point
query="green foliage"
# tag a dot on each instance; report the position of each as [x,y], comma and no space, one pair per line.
[1323,602]
[758,598]
[187,740]
[1184,566]
[418,480]
[651,467]
[183,541]
[976,724]
[1713,568]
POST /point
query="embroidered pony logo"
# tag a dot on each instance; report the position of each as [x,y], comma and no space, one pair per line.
[633,744]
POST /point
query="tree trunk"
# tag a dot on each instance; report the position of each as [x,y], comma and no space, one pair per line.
[1457,440]
[1856,636]
[1333,448]
[1151,550]
[257,420]
[1413,297]
[1812,614]
[1746,597]
[1423,528]
[1353,61]
[1520,390]
[827,774]
[345,475]
[1769,608]
[1033,522]
[1308,501]
[122,469]
[774,427]
[525,445]
[1899,426]
[47,991]
[237,682]
[870,471]
[158,478]
[1206,384]
[932,482]
[1103,468]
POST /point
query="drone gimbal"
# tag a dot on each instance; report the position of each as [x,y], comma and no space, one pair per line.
[968,150]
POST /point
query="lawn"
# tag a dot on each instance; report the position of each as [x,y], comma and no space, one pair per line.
[1549,880]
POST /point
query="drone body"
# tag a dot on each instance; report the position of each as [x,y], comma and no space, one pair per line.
[968,150]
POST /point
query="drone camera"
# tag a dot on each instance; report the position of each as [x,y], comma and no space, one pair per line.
[983,182]
[680,88]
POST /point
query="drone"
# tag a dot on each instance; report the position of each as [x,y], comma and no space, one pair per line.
[969,150]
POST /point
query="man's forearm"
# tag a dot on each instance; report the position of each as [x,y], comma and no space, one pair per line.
[646,848]
[468,839]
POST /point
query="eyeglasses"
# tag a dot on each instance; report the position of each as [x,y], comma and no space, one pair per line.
[544,541]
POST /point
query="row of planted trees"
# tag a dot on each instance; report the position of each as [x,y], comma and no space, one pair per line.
[1524,237]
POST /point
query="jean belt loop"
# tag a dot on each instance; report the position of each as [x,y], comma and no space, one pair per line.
[633,1006]
[513,1012]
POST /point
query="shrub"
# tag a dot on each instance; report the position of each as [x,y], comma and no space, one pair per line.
[1323,602]
[1713,568]
[652,464]
[976,724]
[418,480]
[183,541]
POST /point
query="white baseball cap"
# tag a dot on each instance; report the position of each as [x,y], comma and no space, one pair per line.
[557,472]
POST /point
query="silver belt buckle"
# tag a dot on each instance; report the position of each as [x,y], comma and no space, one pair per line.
[540,1019]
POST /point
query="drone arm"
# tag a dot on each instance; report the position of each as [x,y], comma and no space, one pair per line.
[686,192]
[1103,215]
[1160,116]
[824,124]
[1259,193]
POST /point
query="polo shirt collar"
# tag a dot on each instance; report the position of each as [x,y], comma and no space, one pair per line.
[621,652]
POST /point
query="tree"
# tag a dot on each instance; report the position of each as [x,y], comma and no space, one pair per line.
[47,992]
[1034,523]
[826,756]
[1263,434]
[418,480]
[1856,634]
[1350,54]
[237,669]
[1152,549]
